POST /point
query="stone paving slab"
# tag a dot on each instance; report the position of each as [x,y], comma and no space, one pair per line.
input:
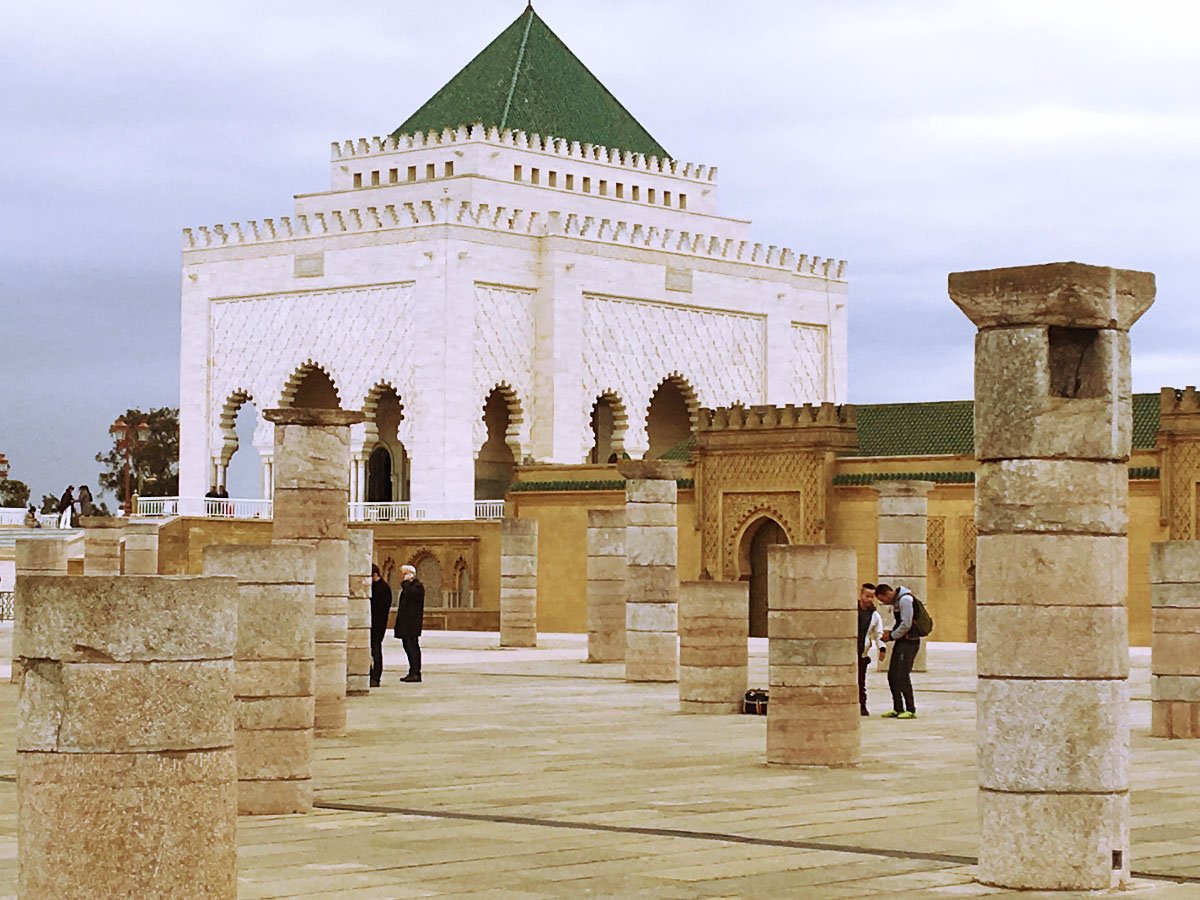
[529,774]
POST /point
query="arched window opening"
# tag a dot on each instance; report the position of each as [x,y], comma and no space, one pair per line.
[760,536]
[379,476]
[315,390]
[495,466]
[605,448]
[388,467]
[669,420]
[244,469]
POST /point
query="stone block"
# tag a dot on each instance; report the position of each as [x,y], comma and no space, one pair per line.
[1175,562]
[331,629]
[606,532]
[1175,719]
[821,623]
[362,549]
[1051,570]
[1067,294]
[652,584]
[641,515]
[1048,842]
[333,568]
[724,654]
[274,798]
[1025,409]
[713,684]
[312,458]
[900,561]
[41,555]
[329,715]
[518,565]
[699,600]
[1177,596]
[651,617]
[277,563]
[309,515]
[1052,496]
[518,584]
[1052,641]
[658,490]
[1053,736]
[815,652]
[1176,654]
[651,656]
[358,685]
[1175,688]
[358,612]
[274,713]
[800,595]
[813,676]
[283,754]
[358,639]
[1175,620]
[274,678]
[606,568]
[126,618]
[519,544]
[512,527]
[275,622]
[126,825]
[706,708]
[652,546]
[122,708]
[902,529]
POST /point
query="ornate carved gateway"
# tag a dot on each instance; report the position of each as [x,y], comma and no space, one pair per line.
[760,462]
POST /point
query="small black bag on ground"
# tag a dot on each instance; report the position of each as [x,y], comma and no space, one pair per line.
[755,703]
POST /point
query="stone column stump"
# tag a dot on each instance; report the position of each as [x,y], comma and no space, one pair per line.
[312,466]
[812,627]
[714,631]
[903,508]
[35,555]
[1175,639]
[1053,418]
[652,579]
[518,582]
[606,585]
[141,548]
[126,777]
[101,544]
[358,613]
[273,673]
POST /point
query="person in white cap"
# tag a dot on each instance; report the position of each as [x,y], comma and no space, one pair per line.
[409,612]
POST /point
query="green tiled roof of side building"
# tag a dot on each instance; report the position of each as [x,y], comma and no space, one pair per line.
[528,80]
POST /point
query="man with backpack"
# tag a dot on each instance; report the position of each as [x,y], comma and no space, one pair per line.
[912,622]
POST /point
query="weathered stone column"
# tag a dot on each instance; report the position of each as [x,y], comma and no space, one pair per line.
[812,626]
[903,512]
[312,466]
[36,555]
[714,630]
[518,582]
[358,614]
[101,544]
[652,579]
[606,585]
[1175,639]
[141,548]
[1052,434]
[126,779]
[273,673]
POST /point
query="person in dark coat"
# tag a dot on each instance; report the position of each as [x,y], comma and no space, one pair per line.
[381,605]
[409,612]
[66,506]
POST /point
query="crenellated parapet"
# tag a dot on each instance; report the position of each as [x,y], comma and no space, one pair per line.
[766,417]
[1179,411]
[520,140]
[516,221]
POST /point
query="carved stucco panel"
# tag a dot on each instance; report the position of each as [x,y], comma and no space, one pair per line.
[505,338]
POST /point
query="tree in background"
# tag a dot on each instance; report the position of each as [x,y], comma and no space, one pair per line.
[13,493]
[154,463]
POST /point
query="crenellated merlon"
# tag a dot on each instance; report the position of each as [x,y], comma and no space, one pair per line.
[766,417]
[1178,402]
[520,140]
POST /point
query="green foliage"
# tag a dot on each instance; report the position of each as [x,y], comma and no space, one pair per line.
[13,493]
[48,505]
[154,469]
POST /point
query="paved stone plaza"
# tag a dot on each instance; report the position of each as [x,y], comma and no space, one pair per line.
[530,774]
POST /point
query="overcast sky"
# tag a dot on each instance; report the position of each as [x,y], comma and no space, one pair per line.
[911,138]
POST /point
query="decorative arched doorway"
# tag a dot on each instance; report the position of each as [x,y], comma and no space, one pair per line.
[379,476]
[761,534]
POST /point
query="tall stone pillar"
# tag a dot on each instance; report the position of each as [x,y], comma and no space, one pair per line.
[101,545]
[903,510]
[358,614]
[141,548]
[36,555]
[652,579]
[1052,435]
[812,626]
[518,582]
[273,673]
[311,470]
[714,631]
[1175,639]
[606,585]
[126,778]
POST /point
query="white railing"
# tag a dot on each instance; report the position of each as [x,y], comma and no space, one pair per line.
[204,507]
[489,509]
[385,512]
[153,507]
[12,515]
[237,508]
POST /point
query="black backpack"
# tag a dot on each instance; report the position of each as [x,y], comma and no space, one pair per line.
[922,621]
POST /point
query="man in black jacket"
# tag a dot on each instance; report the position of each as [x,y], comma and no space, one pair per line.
[409,613]
[381,605]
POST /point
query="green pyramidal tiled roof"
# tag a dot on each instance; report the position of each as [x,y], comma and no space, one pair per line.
[528,80]
[947,427]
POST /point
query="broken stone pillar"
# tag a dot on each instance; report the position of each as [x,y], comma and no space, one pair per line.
[652,579]
[126,778]
[36,555]
[141,548]
[812,626]
[101,544]
[312,465]
[714,631]
[518,582]
[358,613]
[903,519]
[1175,639]
[606,585]
[1052,435]
[273,673]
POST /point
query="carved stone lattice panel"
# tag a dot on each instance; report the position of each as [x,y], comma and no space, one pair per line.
[504,345]
[935,547]
[359,336]
[1184,469]
[809,347]
[967,535]
[631,346]
[739,510]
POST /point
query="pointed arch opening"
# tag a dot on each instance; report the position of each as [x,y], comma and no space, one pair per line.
[608,429]
[238,474]
[388,464]
[758,536]
[496,461]
[311,387]
[671,416]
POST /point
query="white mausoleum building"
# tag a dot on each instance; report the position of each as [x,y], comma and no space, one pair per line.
[519,272]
